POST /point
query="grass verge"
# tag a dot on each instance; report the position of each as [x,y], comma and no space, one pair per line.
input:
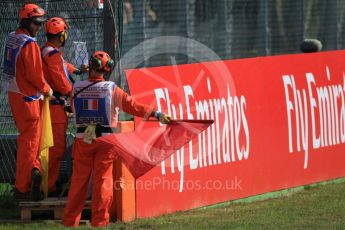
[317,207]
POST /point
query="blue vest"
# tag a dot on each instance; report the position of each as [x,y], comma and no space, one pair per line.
[14,43]
[93,105]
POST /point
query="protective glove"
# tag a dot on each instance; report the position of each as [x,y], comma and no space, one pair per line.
[90,134]
[162,117]
[50,93]
[68,109]
[82,69]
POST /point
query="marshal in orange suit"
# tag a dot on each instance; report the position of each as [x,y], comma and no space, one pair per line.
[57,73]
[24,81]
[95,104]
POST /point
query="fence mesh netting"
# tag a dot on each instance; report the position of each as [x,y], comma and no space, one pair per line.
[231,28]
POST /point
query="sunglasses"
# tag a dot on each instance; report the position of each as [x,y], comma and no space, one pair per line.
[37,23]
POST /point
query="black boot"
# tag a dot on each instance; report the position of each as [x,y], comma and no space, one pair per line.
[36,194]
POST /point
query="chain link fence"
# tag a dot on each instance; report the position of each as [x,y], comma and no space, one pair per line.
[232,28]
[236,28]
[85,36]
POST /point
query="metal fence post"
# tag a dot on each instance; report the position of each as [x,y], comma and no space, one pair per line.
[109,27]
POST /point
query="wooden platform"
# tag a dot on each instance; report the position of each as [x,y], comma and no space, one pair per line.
[48,204]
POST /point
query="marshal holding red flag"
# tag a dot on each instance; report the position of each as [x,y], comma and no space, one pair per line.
[95,147]
[144,149]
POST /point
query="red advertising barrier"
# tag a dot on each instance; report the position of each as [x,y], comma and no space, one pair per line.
[279,123]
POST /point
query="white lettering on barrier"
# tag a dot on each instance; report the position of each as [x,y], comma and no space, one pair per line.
[226,134]
[328,104]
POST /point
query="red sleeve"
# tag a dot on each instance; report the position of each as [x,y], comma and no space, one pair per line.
[129,105]
[71,68]
[55,74]
[31,53]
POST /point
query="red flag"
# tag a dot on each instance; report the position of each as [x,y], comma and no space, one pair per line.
[143,150]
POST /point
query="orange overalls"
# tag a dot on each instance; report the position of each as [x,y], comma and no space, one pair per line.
[98,159]
[28,83]
[56,72]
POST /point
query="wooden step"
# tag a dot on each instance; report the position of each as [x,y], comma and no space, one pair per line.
[55,204]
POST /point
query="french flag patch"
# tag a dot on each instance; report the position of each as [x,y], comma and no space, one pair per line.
[90,104]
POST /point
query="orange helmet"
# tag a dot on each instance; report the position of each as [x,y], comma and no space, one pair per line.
[32,11]
[101,61]
[56,25]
